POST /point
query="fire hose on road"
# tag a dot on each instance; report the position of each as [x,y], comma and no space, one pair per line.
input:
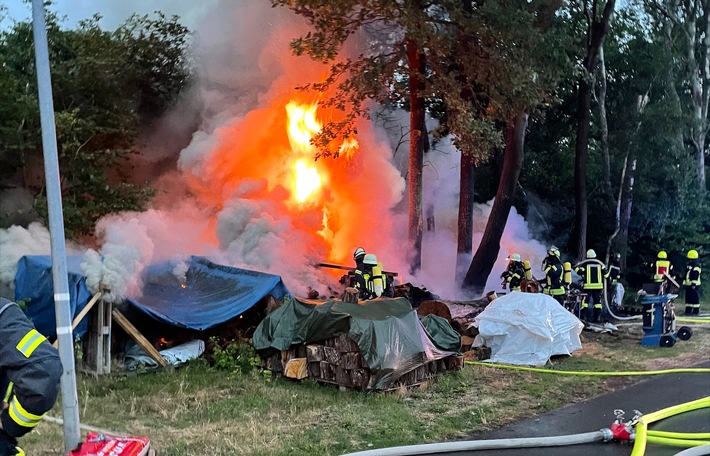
[635,430]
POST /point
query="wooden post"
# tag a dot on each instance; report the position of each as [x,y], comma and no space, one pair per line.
[138,337]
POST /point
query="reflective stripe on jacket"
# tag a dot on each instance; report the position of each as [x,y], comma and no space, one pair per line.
[30,371]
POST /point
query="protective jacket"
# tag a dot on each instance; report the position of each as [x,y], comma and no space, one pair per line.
[692,274]
[30,371]
[513,275]
[365,283]
[614,273]
[662,267]
[593,272]
[554,272]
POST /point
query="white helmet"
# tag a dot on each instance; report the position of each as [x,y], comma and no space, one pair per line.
[591,253]
[359,252]
[371,259]
[515,257]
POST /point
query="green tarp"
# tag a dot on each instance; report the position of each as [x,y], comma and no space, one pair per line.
[388,332]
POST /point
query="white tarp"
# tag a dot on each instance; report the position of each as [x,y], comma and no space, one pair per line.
[527,328]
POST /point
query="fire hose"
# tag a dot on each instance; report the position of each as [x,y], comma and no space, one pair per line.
[635,430]
[682,370]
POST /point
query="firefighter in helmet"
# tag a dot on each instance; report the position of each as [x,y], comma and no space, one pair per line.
[593,273]
[30,370]
[370,280]
[662,267]
[514,273]
[554,275]
[691,283]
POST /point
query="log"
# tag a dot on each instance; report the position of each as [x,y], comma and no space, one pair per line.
[351,360]
[296,368]
[314,369]
[314,352]
[351,295]
[437,308]
[331,355]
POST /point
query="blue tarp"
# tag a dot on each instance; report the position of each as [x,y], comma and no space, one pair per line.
[34,288]
[207,295]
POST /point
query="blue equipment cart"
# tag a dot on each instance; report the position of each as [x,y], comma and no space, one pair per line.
[659,321]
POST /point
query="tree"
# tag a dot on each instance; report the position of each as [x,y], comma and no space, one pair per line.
[598,22]
[104,85]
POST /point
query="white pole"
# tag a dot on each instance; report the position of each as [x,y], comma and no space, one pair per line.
[70,405]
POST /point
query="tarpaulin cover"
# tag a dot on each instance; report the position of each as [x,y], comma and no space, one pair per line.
[34,287]
[527,329]
[387,330]
[204,295]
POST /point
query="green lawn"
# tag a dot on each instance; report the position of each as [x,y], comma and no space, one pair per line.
[198,410]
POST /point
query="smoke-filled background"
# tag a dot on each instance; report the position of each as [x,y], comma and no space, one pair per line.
[234,195]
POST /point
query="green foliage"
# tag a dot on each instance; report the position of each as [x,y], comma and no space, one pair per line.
[484,63]
[106,87]
[235,356]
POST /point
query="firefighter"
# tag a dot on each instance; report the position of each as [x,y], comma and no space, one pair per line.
[370,281]
[514,273]
[554,274]
[692,284]
[358,256]
[662,267]
[30,371]
[593,273]
[614,274]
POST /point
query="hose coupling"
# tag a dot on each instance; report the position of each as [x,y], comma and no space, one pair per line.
[607,435]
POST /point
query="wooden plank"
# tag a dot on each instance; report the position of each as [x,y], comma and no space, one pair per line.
[138,337]
[81,314]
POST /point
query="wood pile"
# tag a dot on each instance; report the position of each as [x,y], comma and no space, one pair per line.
[461,315]
[338,361]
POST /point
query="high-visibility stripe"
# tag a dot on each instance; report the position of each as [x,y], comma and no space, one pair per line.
[21,416]
[8,393]
[30,342]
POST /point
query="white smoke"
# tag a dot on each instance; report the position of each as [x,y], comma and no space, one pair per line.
[229,202]
[16,242]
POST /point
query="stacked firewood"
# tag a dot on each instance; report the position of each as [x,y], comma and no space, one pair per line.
[338,360]
[461,315]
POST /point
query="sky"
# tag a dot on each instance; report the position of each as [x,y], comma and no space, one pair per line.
[114,12]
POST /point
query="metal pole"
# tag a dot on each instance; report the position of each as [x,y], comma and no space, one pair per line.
[70,405]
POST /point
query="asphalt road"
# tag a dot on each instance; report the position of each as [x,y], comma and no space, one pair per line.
[646,396]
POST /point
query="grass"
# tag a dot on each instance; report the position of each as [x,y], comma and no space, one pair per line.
[199,410]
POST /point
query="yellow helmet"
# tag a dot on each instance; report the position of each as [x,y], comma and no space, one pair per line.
[692,254]
[662,255]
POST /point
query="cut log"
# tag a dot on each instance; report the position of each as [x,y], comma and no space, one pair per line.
[351,295]
[296,368]
[437,308]
[314,352]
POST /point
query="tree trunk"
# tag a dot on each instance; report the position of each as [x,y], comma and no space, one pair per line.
[417,140]
[604,126]
[627,200]
[465,221]
[487,252]
[699,72]
[596,31]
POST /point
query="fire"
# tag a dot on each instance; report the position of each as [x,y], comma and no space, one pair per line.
[307,180]
[302,125]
